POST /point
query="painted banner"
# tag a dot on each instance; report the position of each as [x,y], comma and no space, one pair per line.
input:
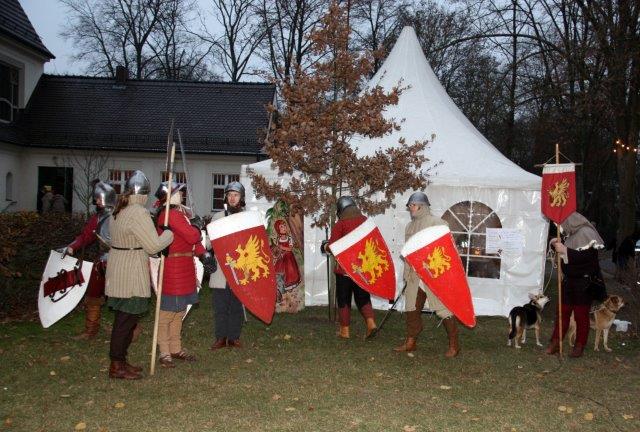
[241,246]
[433,255]
[64,282]
[558,191]
[365,257]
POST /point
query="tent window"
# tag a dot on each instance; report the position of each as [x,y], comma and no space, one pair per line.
[469,221]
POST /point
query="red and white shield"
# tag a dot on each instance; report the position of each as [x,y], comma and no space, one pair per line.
[558,191]
[433,255]
[365,257]
[241,246]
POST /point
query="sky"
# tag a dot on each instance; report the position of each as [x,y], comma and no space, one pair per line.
[48,18]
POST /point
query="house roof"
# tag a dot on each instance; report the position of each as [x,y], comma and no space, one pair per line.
[15,24]
[86,112]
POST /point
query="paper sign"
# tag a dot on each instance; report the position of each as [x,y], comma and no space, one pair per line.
[503,241]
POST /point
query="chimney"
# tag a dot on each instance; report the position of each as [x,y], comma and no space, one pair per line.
[122,75]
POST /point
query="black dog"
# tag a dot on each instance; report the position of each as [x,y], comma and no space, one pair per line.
[524,317]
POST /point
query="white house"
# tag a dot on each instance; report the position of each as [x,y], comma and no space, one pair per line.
[51,127]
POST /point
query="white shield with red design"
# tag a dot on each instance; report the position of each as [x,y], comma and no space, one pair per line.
[241,246]
[64,282]
[433,255]
[365,257]
[558,191]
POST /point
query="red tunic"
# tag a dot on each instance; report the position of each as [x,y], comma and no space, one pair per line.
[341,229]
[88,234]
[179,276]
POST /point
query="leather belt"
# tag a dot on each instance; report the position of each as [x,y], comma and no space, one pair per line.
[125,249]
[180,254]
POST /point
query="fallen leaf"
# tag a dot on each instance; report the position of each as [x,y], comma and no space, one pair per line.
[119,405]
[275,397]
[408,428]
[627,416]
[287,337]
[289,409]
[411,354]
[562,408]
[52,373]
[445,387]
[8,421]
[295,399]
[104,370]
[89,402]
[103,429]
[475,418]
[464,410]
[81,426]
[372,358]
[65,358]
[249,360]
[379,374]
[65,395]
[520,367]
[569,410]
[588,416]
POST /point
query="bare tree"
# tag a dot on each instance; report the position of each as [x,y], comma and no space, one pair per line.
[241,35]
[88,165]
[287,26]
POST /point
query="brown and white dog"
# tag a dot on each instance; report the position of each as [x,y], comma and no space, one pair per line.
[601,319]
[525,317]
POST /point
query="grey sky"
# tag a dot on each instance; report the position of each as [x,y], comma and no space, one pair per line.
[49,16]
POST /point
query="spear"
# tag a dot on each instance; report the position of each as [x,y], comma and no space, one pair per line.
[171,146]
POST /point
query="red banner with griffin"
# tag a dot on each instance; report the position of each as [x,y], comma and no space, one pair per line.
[241,246]
[558,191]
[433,255]
[365,257]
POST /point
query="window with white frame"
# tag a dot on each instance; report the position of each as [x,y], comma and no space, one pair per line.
[9,87]
[219,182]
[468,221]
[118,178]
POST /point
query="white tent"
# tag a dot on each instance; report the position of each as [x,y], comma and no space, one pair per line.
[474,187]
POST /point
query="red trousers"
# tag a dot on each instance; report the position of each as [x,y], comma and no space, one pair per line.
[95,287]
[581,315]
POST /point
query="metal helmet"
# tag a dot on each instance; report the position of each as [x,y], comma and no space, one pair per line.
[234,186]
[418,198]
[161,192]
[138,184]
[104,195]
[343,203]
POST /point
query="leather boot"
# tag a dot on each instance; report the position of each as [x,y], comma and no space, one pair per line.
[118,370]
[553,348]
[452,332]
[91,322]
[577,350]
[371,326]
[343,333]
[234,343]
[408,345]
[132,368]
[219,343]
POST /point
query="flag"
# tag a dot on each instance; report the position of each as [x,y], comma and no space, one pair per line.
[241,246]
[365,257]
[558,191]
[433,255]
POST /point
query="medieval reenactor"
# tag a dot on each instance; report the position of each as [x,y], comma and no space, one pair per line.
[128,284]
[349,218]
[227,309]
[96,228]
[179,287]
[417,292]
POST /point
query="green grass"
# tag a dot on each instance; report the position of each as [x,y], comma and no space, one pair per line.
[312,381]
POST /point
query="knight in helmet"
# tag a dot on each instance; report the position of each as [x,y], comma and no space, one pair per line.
[349,218]
[133,238]
[179,287]
[227,309]
[417,293]
[95,232]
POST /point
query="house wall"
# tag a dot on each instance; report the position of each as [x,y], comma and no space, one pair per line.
[31,66]
[200,168]
[10,164]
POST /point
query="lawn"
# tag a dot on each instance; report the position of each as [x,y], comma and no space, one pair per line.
[295,375]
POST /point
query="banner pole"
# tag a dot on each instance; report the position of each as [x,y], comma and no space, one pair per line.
[559,273]
[152,368]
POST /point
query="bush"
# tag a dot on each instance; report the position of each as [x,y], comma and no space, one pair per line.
[26,239]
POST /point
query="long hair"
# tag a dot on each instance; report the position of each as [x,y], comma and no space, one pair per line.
[123,201]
